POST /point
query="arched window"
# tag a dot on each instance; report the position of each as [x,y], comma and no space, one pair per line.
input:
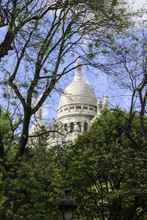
[71,107]
[71,127]
[78,107]
[65,127]
[79,126]
[85,107]
[85,126]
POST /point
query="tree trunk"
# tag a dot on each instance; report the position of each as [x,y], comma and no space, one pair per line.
[25,131]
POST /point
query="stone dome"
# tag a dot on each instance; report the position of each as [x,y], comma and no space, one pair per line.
[78,92]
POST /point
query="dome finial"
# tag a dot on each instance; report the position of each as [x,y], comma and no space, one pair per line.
[78,70]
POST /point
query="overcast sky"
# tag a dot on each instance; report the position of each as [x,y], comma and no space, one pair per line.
[137,4]
[134,6]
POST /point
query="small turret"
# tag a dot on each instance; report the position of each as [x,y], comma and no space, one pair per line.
[102,105]
[105,103]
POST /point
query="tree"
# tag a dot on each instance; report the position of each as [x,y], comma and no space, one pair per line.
[5,131]
[31,191]
[40,35]
[30,186]
[38,53]
[18,14]
[124,61]
[131,58]
[107,169]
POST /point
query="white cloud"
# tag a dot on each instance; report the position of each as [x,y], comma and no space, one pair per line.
[137,4]
[134,6]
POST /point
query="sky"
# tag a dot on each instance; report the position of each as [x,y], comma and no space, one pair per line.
[102,84]
[136,4]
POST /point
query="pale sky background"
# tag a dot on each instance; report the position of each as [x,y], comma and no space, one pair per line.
[136,4]
[101,83]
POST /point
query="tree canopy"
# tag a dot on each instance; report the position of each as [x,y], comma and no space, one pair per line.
[33,57]
[106,169]
[106,166]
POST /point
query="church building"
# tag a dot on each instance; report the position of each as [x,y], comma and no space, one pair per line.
[77,109]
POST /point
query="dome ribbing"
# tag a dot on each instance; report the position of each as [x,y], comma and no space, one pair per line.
[77,92]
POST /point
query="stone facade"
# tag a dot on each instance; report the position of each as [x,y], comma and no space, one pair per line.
[77,109]
[77,106]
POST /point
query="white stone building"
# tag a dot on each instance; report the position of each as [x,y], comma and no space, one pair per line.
[77,108]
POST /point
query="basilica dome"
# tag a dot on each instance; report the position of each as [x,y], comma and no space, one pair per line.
[78,95]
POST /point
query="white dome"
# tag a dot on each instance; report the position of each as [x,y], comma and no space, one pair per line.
[78,92]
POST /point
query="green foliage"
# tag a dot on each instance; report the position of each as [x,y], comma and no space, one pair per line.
[107,169]
[30,186]
[110,13]
[5,131]
[4,123]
